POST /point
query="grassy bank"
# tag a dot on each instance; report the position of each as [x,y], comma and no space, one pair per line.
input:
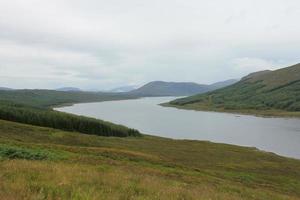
[261,113]
[43,163]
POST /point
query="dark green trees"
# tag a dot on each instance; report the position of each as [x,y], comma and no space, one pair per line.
[53,119]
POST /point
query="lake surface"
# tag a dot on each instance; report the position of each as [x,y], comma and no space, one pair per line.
[278,135]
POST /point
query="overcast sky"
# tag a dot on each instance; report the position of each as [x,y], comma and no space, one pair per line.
[102,44]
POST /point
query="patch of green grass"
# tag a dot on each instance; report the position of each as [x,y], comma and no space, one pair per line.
[15,152]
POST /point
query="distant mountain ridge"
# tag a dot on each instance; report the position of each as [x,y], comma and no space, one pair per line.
[5,88]
[264,90]
[123,89]
[222,84]
[68,89]
[162,88]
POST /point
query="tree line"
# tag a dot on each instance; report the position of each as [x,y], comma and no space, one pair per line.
[68,122]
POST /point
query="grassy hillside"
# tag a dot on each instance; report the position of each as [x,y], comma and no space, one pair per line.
[42,163]
[267,92]
[48,98]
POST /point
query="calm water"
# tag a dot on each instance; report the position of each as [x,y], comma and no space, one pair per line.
[278,135]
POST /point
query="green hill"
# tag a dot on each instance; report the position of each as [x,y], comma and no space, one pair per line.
[43,163]
[48,98]
[265,92]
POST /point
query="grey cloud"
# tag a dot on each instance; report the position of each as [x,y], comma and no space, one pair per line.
[101,44]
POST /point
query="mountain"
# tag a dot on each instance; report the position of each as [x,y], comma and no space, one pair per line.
[68,89]
[123,89]
[264,90]
[5,88]
[161,88]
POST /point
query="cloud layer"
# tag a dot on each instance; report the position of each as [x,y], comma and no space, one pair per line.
[99,44]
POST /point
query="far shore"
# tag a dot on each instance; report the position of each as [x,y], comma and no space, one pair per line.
[258,113]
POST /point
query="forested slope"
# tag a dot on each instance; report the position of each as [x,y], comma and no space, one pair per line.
[33,107]
[267,90]
[53,119]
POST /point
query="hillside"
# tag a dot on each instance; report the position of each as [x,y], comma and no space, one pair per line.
[161,88]
[34,107]
[64,121]
[42,163]
[48,98]
[270,92]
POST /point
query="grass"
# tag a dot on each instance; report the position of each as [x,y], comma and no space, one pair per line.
[78,166]
[15,152]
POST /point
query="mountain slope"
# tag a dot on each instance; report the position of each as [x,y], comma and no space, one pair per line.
[161,88]
[266,90]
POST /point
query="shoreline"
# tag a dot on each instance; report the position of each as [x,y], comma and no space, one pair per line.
[62,105]
[256,113]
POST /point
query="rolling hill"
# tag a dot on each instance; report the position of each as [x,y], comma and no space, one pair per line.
[161,88]
[266,91]
[48,98]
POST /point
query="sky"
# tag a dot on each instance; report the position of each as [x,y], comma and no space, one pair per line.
[101,44]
